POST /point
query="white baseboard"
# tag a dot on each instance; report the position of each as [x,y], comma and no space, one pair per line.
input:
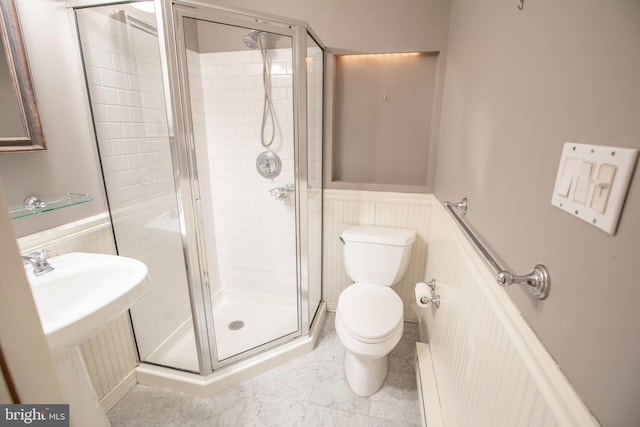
[112,398]
[427,387]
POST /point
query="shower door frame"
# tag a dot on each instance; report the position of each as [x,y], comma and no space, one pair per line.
[170,15]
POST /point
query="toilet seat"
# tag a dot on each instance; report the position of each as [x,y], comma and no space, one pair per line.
[370,313]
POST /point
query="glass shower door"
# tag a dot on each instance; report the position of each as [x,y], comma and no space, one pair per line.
[239,93]
[314,61]
[122,62]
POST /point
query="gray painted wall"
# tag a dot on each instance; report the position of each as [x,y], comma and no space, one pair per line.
[367,26]
[518,85]
[383,120]
[70,163]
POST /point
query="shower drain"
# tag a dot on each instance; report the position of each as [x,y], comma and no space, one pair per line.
[236,324]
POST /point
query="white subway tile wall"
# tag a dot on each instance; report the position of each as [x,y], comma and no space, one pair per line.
[125,86]
[251,241]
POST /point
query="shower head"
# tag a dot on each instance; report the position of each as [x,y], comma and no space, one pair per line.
[251,39]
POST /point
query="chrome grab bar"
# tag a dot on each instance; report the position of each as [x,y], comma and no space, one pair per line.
[538,280]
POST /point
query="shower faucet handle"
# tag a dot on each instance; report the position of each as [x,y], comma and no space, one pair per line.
[283,193]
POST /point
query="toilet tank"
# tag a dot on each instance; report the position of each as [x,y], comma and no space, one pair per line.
[376,255]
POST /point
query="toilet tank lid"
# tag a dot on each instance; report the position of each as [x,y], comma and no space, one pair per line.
[381,235]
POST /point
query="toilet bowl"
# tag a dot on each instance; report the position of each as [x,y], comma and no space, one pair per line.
[369,315]
[369,323]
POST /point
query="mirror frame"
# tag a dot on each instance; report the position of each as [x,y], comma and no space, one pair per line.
[19,69]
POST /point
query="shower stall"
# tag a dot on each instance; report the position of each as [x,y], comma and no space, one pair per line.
[209,129]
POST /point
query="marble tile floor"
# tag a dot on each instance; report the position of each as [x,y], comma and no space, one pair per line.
[308,391]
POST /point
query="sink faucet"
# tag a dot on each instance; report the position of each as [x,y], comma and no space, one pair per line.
[39,262]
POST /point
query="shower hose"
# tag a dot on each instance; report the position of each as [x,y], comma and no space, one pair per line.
[267,106]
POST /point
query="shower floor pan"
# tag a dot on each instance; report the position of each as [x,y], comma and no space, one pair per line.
[242,321]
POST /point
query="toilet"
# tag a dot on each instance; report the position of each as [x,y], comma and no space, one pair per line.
[369,316]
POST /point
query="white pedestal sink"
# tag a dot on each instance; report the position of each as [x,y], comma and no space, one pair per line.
[79,297]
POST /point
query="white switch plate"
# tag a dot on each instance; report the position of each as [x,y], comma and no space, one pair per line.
[592,183]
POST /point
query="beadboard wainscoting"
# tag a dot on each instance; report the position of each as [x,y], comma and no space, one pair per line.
[490,368]
[110,356]
[395,210]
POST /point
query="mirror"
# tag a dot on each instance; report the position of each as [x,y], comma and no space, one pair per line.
[20,128]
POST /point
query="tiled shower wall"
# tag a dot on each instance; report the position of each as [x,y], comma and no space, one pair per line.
[125,85]
[254,246]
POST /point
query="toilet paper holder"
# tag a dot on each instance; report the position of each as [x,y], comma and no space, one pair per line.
[435,301]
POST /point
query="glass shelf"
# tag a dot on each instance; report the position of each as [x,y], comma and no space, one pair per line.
[34,206]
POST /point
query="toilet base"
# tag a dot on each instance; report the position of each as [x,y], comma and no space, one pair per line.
[364,375]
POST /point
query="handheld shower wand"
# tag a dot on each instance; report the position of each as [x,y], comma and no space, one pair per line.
[256,40]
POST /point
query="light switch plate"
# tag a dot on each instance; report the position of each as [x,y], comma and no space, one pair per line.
[592,183]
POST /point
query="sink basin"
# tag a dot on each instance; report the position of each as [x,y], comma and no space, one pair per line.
[83,293]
